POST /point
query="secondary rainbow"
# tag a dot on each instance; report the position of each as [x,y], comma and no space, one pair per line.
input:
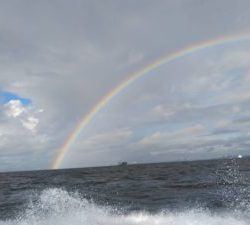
[62,151]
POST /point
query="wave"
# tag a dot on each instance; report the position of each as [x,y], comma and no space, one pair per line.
[59,207]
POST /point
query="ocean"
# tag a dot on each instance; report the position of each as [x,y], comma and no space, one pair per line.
[212,192]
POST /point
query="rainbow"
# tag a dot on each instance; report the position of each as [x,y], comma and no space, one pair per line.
[62,151]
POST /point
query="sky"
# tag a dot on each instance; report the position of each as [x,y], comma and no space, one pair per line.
[59,58]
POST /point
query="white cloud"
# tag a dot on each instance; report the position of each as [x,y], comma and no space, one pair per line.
[14,108]
[30,123]
[22,114]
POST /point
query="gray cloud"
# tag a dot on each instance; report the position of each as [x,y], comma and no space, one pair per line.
[65,56]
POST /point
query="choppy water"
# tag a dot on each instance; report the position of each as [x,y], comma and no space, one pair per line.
[184,193]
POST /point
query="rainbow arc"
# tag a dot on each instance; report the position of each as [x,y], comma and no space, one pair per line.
[62,151]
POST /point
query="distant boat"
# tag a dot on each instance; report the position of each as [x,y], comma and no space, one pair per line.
[122,163]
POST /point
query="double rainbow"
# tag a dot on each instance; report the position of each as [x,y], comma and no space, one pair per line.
[62,151]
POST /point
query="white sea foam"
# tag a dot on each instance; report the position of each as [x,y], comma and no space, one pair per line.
[58,207]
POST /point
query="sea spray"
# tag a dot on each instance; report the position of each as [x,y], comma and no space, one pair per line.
[59,207]
[234,187]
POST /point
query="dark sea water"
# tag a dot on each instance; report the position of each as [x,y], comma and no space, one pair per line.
[214,192]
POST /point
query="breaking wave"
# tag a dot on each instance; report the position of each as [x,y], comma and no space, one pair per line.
[59,207]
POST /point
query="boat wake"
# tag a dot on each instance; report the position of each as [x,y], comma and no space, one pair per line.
[59,207]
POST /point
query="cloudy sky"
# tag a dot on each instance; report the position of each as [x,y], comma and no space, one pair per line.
[58,58]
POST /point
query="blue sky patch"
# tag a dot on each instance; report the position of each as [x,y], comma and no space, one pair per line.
[6,97]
